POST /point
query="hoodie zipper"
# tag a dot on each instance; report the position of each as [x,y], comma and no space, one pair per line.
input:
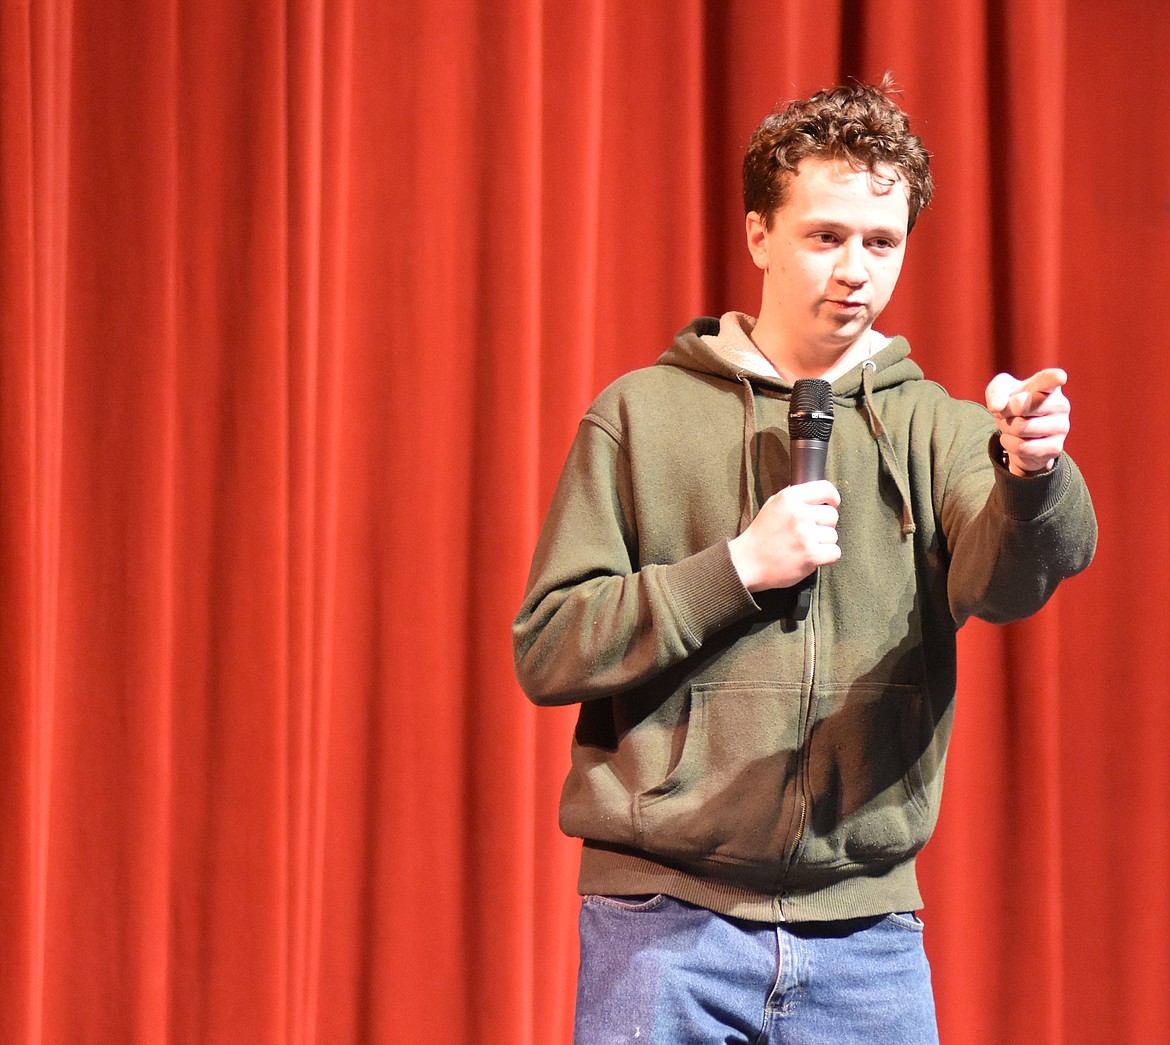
[805,747]
[806,740]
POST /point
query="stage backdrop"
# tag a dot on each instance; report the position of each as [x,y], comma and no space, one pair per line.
[299,306]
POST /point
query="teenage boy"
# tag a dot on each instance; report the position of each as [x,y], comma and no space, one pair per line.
[752,785]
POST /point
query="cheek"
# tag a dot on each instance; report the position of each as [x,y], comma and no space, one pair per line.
[809,273]
[887,279]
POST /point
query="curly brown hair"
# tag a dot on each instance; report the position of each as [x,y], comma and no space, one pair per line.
[857,123]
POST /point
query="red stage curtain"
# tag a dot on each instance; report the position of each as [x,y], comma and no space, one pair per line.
[299,306]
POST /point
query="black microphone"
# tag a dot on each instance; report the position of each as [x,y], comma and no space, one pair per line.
[810,423]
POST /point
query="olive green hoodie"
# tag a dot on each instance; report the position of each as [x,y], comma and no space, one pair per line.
[724,754]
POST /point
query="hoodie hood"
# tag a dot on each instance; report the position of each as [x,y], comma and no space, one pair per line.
[723,348]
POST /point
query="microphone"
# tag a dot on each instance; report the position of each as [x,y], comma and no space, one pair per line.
[810,423]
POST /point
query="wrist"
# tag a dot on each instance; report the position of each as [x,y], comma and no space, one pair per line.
[1017,469]
[1015,465]
[743,561]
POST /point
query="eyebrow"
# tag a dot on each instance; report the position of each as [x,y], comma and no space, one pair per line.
[886,231]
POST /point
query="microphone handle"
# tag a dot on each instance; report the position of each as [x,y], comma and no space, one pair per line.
[808,460]
[808,465]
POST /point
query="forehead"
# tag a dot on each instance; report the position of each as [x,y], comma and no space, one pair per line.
[829,188]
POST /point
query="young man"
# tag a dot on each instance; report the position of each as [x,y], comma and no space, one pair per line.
[752,785]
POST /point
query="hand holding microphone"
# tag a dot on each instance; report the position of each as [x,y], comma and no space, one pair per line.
[796,529]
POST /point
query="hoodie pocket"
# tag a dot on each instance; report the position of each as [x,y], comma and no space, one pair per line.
[731,792]
[870,758]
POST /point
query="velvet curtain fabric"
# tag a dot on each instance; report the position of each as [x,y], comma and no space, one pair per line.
[300,304]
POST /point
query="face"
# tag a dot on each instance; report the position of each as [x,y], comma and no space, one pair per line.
[831,258]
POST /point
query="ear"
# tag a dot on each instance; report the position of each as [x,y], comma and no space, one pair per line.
[757,239]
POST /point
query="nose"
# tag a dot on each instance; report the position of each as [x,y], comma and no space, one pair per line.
[850,267]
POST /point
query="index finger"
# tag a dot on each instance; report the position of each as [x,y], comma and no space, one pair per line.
[1048,380]
[818,491]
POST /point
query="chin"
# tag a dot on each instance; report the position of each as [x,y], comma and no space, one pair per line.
[845,337]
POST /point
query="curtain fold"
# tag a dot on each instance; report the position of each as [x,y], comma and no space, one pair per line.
[300,304]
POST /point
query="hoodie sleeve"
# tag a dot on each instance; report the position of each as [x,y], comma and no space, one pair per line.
[595,620]
[1012,540]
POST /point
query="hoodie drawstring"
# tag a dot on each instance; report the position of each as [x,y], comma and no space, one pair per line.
[885,447]
[748,506]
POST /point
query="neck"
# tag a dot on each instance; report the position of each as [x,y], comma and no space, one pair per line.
[795,358]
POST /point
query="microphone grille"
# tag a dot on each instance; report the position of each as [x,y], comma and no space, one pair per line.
[810,412]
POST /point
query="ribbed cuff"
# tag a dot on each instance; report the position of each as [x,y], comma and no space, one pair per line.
[708,593]
[1033,496]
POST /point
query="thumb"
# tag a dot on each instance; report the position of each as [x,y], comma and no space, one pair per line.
[999,390]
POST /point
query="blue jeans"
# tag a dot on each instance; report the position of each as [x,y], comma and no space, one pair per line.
[657,971]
